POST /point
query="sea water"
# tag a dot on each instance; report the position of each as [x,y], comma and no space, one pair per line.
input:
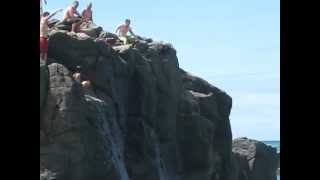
[275,144]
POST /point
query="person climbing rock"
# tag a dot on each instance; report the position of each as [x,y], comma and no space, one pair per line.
[122,31]
[85,84]
[44,27]
[72,17]
[77,77]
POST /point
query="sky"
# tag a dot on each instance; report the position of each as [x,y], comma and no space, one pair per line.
[233,44]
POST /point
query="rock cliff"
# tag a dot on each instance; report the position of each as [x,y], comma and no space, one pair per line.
[253,160]
[144,118]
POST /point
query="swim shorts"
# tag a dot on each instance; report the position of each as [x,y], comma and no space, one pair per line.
[43,45]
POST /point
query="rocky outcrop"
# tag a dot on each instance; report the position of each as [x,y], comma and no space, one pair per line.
[254,160]
[144,118]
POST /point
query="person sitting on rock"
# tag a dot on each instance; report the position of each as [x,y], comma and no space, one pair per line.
[73,17]
[123,29]
[44,28]
[87,16]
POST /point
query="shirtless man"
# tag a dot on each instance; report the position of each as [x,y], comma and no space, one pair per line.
[87,16]
[73,17]
[123,29]
[77,77]
[87,13]
[44,33]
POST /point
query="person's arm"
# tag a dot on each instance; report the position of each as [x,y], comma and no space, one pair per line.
[117,29]
[77,13]
[54,13]
[130,30]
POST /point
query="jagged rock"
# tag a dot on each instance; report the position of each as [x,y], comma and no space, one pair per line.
[206,144]
[254,160]
[47,175]
[144,39]
[105,34]
[143,119]
[53,22]
[92,31]
[62,26]
[76,147]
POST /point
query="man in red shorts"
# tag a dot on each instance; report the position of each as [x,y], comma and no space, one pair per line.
[44,33]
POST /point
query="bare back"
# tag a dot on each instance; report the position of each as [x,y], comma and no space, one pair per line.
[69,14]
[44,27]
[87,14]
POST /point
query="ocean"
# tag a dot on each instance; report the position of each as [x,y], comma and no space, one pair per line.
[275,144]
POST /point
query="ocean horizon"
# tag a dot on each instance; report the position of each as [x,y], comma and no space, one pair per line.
[273,143]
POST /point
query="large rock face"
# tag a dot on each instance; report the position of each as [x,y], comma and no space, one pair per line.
[143,119]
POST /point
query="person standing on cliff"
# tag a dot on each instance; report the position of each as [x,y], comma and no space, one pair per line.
[44,27]
[73,17]
[122,31]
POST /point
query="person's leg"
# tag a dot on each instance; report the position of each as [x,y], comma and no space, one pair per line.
[73,27]
[76,25]
[124,39]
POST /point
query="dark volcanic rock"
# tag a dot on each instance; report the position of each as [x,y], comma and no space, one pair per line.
[44,83]
[74,147]
[204,133]
[254,160]
[91,30]
[144,118]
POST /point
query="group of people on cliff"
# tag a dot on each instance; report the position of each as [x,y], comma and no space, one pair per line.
[77,21]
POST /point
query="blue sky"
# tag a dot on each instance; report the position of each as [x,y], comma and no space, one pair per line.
[233,44]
